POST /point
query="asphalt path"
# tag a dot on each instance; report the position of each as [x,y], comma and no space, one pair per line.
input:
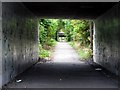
[66,70]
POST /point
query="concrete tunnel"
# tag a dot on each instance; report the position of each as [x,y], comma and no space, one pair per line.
[19,33]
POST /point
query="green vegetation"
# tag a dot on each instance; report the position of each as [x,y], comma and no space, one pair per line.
[43,53]
[76,32]
[47,35]
[83,51]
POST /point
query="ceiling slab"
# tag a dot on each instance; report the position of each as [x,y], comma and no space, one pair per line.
[76,10]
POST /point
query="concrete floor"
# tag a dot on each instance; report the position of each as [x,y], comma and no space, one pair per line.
[65,71]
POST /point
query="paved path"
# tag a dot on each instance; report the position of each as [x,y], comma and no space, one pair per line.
[64,53]
[65,71]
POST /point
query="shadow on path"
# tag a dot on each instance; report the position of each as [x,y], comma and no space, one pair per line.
[64,71]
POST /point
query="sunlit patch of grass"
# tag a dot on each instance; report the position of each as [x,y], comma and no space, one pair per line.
[45,51]
[84,52]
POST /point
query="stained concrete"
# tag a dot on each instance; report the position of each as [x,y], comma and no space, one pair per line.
[67,71]
[0,44]
[107,40]
[19,41]
[20,37]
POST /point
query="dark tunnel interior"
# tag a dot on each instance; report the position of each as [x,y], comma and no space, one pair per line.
[19,28]
[69,9]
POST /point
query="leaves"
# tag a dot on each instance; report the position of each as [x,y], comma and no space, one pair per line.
[75,30]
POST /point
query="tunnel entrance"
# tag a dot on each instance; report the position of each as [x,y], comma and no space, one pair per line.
[21,25]
[77,33]
[63,67]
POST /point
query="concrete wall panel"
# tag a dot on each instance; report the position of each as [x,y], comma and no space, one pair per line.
[107,40]
[0,44]
[20,40]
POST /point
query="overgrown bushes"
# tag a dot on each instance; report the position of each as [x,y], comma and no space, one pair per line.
[47,35]
[84,52]
[76,32]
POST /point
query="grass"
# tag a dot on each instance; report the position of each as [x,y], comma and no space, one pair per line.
[84,52]
[44,53]
[45,50]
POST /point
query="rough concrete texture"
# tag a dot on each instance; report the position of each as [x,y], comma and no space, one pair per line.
[20,40]
[67,71]
[0,44]
[107,40]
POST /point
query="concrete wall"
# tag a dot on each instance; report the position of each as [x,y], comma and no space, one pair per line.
[0,44]
[107,40]
[20,40]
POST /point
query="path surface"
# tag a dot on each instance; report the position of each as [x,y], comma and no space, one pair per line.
[65,71]
[64,53]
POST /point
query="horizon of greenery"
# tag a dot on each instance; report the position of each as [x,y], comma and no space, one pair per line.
[76,32]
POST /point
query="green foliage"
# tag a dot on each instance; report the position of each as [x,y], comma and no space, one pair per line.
[84,52]
[47,35]
[47,30]
[52,42]
[75,31]
[43,53]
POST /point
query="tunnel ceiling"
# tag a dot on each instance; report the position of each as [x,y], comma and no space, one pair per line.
[89,10]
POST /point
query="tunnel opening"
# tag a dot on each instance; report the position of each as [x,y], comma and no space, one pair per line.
[20,42]
[77,33]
